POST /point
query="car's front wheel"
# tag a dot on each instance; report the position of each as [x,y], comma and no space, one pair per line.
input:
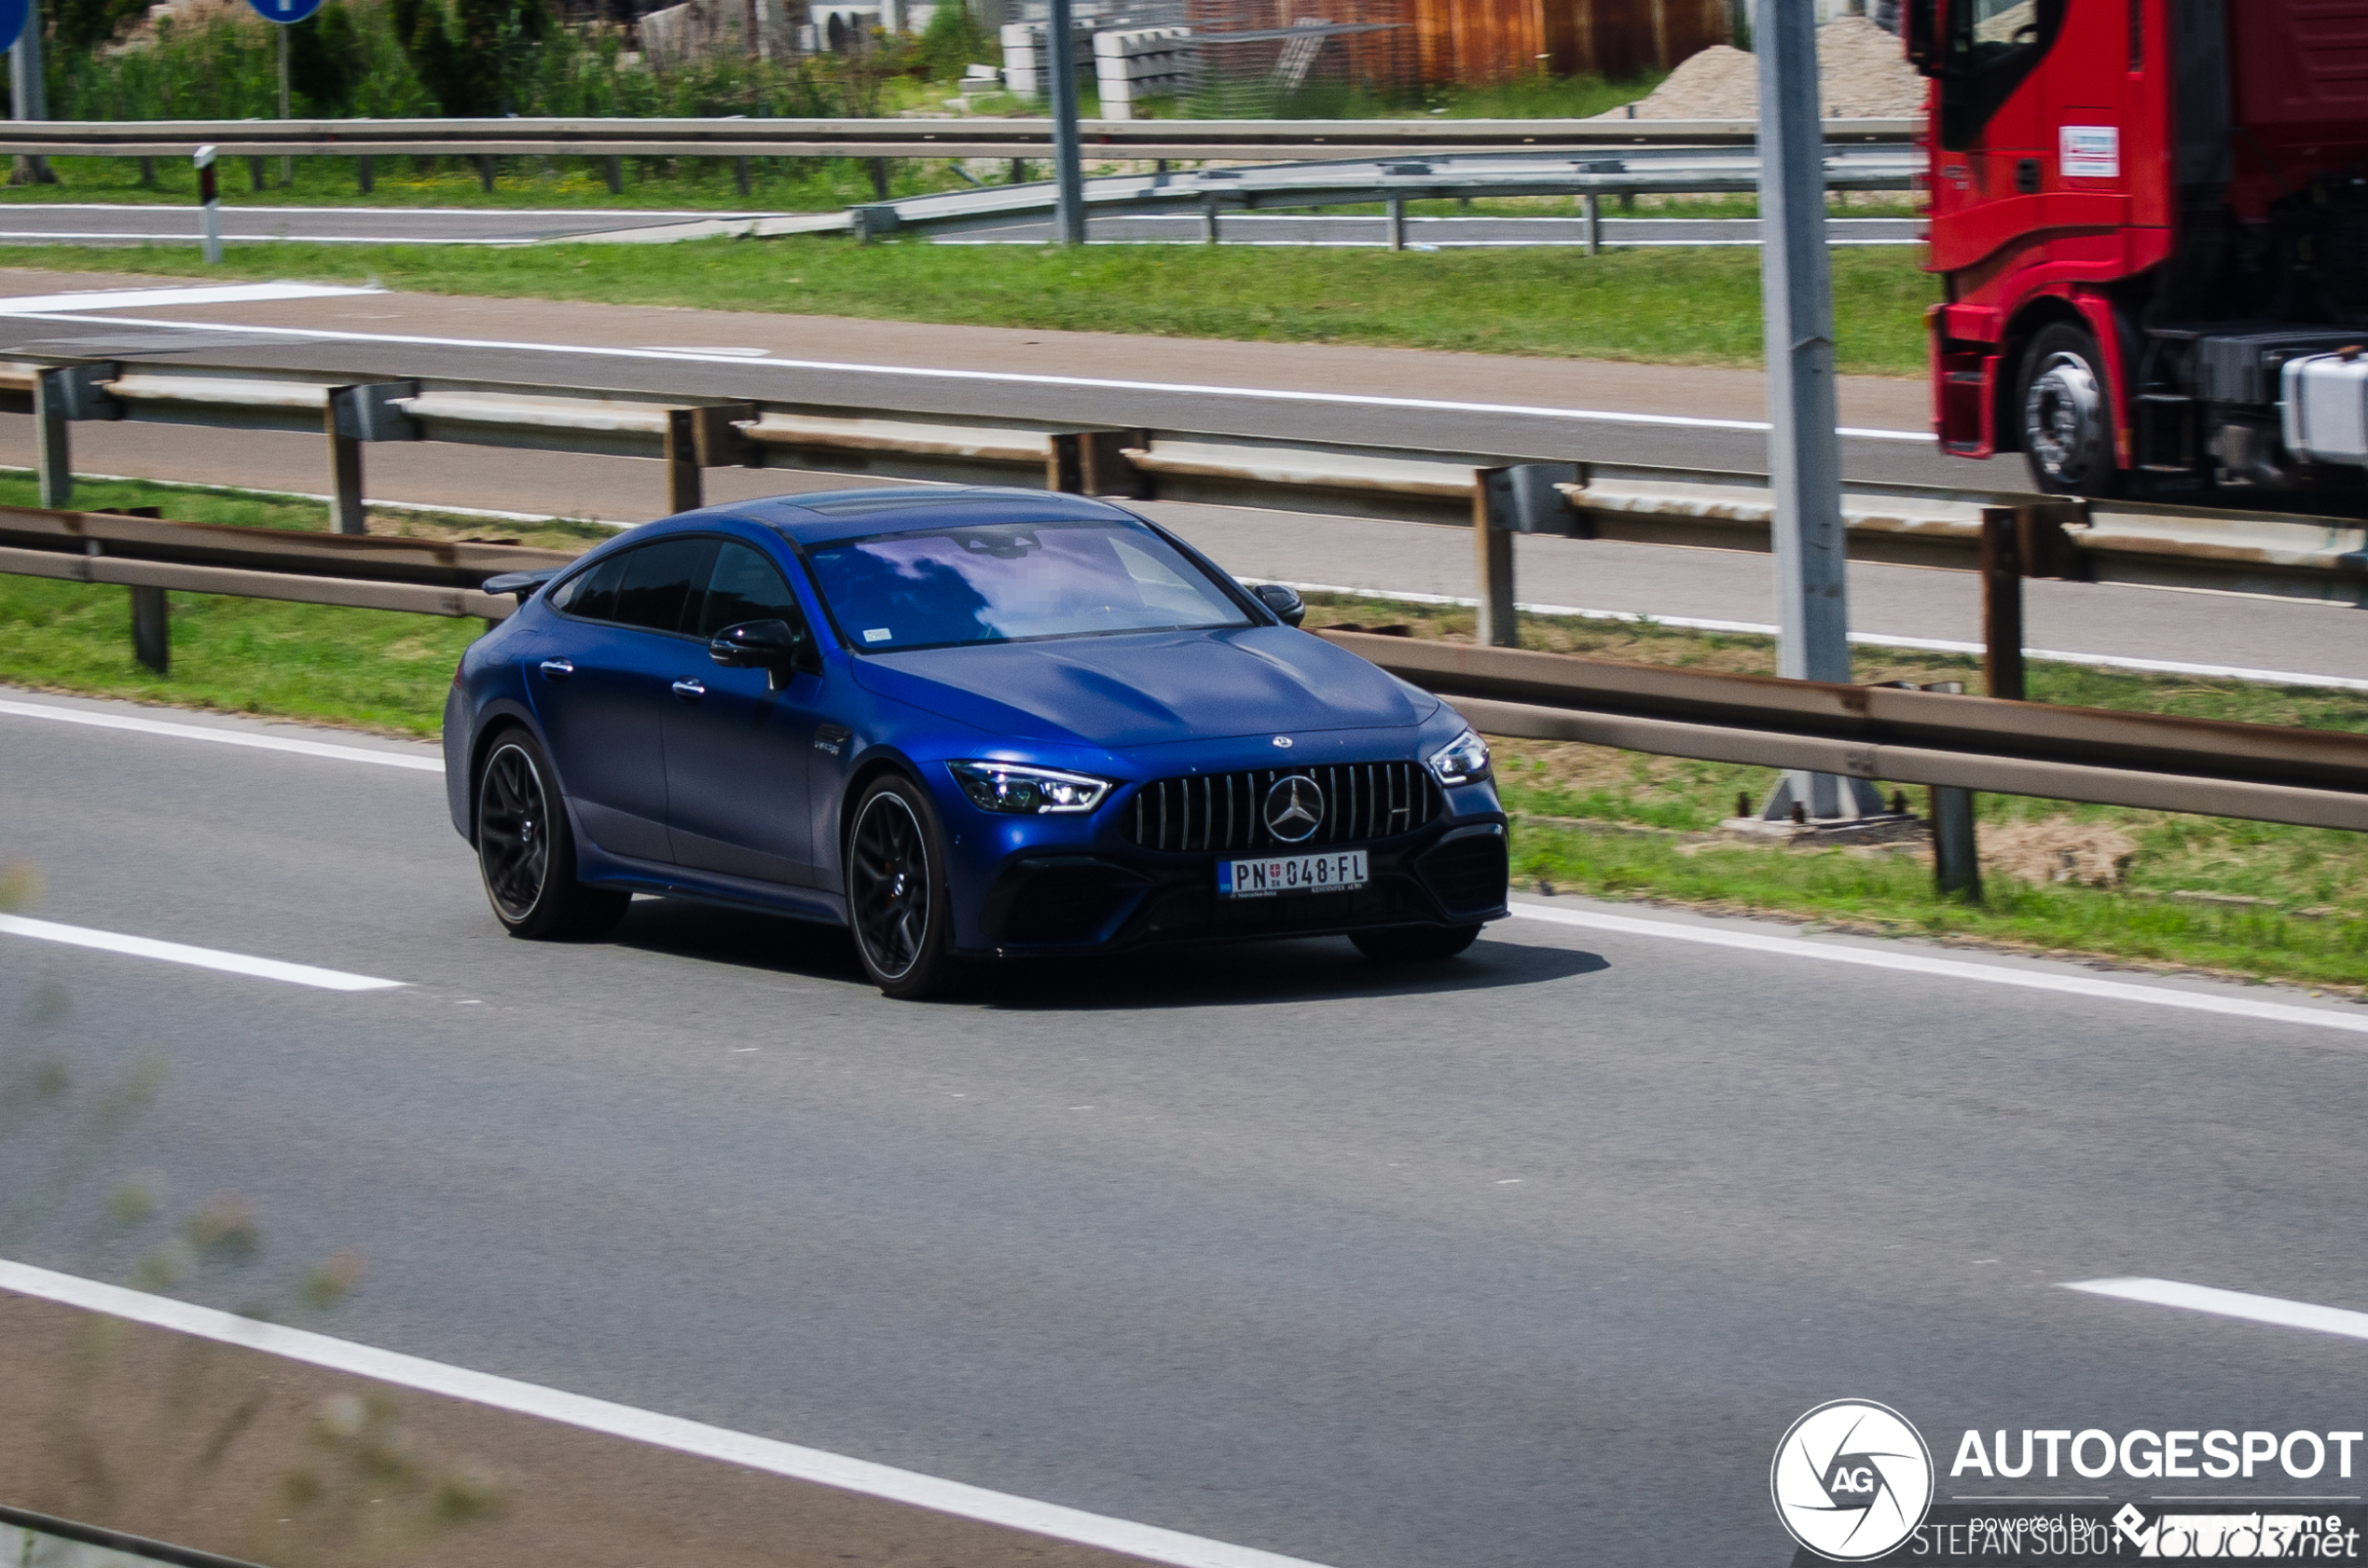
[896,891]
[526,854]
[1414,944]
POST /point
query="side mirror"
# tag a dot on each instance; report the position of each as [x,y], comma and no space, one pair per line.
[768,645]
[521,584]
[1920,26]
[1286,605]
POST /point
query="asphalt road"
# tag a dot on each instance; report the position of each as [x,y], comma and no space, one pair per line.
[1526,1262]
[96,222]
[1550,409]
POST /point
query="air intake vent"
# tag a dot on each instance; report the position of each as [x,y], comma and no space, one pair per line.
[1226,812]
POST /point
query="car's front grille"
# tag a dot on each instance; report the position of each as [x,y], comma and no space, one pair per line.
[1225,812]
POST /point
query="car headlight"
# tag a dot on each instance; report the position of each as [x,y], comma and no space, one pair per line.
[1027,791]
[1461,761]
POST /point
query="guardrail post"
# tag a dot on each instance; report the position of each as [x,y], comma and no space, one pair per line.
[1594,206]
[685,485]
[612,170]
[366,172]
[2001,600]
[345,472]
[54,446]
[209,205]
[1095,462]
[1208,220]
[256,179]
[718,439]
[740,177]
[151,630]
[1521,498]
[1956,853]
[1398,223]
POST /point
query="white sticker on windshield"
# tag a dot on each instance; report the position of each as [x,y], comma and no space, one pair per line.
[2091,152]
[877,633]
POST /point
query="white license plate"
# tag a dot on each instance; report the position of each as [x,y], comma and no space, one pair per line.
[1335,873]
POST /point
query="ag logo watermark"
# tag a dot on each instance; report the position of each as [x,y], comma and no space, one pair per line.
[1851,1480]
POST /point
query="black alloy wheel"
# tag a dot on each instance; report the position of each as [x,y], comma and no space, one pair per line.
[525,853]
[1414,944]
[896,891]
[2068,415]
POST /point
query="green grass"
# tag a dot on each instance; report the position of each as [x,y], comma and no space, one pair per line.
[1623,825]
[367,668]
[1662,305]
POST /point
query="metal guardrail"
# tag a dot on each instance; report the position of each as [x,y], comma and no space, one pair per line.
[1701,171]
[2307,778]
[2260,772]
[967,137]
[2320,558]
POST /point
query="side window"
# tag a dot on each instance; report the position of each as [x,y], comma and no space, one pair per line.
[592,594]
[746,587]
[1993,46]
[662,581]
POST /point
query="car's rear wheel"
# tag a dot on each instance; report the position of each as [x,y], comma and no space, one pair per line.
[896,891]
[527,853]
[1414,944]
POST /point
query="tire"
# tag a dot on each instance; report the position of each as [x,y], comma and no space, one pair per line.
[2068,415]
[896,897]
[1414,944]
[526,850]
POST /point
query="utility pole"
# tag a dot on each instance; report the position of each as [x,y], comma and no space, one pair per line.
[1069,176]
[29,96]
[1804,450]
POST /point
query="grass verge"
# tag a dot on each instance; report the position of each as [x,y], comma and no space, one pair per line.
[2162,892]
[1692,307]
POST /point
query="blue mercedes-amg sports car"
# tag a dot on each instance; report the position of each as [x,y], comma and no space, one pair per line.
[966,723]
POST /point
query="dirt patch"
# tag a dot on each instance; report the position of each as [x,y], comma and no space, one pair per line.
[1861,75]
[2059,849]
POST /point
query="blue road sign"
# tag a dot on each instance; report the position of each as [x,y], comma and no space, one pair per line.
[12,21]
[269,10]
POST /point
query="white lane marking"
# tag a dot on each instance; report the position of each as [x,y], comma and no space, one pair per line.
[198,958]
[194,294]
[767,1454]
[1004,378]
[184,238]
[1871,639]
[1951,969]
[2230,1303]
[227,737]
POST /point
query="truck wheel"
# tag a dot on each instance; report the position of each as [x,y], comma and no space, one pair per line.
[2068,414]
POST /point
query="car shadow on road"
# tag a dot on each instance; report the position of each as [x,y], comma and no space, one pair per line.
[1314,968]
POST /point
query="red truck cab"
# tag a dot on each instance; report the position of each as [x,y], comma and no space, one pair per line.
[2150,222]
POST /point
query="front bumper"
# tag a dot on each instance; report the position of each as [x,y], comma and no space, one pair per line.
[1453,872]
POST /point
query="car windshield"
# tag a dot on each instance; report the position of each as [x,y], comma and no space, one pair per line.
[1004,582]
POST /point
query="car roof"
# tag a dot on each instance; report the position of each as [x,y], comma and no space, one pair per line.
[828,517]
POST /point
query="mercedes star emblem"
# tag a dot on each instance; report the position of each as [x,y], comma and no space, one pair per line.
[1294,808]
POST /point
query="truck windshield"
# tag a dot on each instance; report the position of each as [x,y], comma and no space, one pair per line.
[1006,582]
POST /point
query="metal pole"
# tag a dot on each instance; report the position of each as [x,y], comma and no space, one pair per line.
[2002,602]
[1069,208]
[1804,453]
[210,195]
[287,164]
[1595,207]
[54,444]
[1396,222]
[29,95]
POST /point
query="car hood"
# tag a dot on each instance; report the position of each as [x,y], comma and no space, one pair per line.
[1142,689]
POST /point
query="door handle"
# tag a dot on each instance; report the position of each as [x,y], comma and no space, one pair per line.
[690,691]
[557,669]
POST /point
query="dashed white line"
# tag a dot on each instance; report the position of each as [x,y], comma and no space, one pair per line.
[1952,968]
[197,958]
[226,737]
[1146,1541]
[2275,1310]
[1004,378]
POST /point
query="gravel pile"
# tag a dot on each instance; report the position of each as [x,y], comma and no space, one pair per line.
[1861,75]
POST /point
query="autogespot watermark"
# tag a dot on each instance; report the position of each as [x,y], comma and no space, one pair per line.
[1854,1482]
